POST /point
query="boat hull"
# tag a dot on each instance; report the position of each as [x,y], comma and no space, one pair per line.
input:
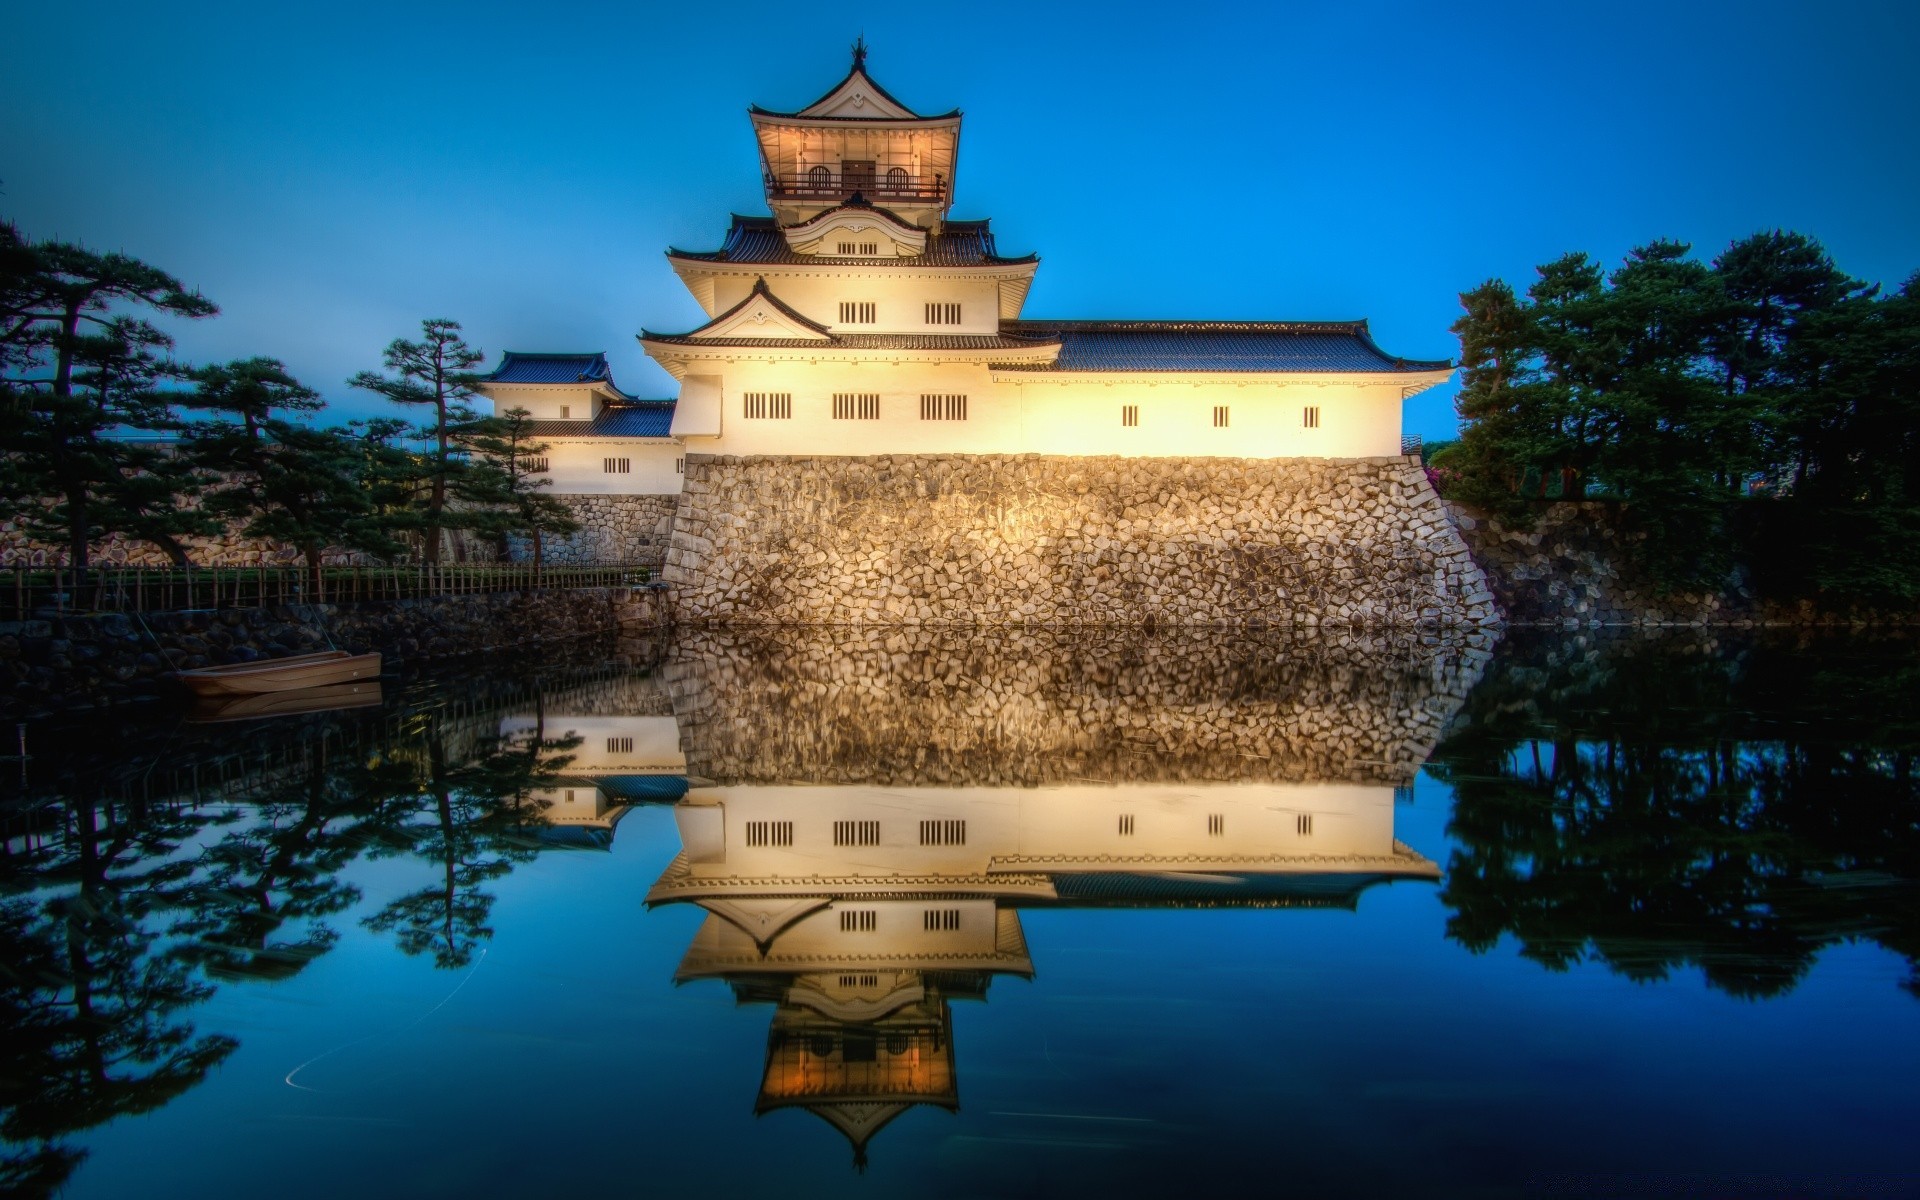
[213,709]
[282,674]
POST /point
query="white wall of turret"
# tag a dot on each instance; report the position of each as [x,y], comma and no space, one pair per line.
[789,408]
[900,299]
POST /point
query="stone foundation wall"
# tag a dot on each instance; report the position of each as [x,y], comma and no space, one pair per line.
[1044,707]
[614,529]
[116,551]
[222,550]
[1032,539]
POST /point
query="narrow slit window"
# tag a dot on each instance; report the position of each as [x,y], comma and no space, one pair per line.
[618,466]
[565,411]
[769,833]
[858,312]
[940,920]
[856,833]
[859,920]
[1126,824]
[619,745]
[1216,824]
[941,312]
[943,833]
[1219,416]
[679,466]
[1310,416]
[856,406]
[943,407]
[1130,415]
[1303,824]
[767,406]
[857,249]
[859,981]
[535,466]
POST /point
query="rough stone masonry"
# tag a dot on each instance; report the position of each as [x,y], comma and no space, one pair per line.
[1058,540]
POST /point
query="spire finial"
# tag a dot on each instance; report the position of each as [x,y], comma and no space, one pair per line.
[860,52]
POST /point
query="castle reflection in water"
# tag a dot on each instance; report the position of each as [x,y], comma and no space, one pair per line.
[863,816]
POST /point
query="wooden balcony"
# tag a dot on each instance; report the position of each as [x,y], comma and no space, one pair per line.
[881,187]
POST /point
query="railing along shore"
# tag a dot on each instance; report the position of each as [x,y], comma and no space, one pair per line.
[36,591]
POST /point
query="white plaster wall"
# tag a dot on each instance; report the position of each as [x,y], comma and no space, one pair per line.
[545,400]
[656,741]
[901,298]
[579,467]
[1259,821]
[1018,417]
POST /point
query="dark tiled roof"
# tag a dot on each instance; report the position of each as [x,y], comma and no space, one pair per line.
[1227,346]
[866,341]
[638,418]
[518,367]
[759,240]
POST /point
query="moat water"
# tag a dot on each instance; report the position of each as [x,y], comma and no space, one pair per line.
[827,912]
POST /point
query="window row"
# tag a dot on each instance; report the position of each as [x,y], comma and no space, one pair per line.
[945,832]
[867,920]
[867,312]
[942,832]
[849,406]
[865,406]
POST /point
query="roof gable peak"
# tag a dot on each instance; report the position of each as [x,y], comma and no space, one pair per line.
[762,315]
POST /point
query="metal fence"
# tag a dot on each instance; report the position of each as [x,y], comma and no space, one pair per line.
[1411,443]
[37,591]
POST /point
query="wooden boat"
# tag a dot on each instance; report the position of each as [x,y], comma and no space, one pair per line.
[209,710]
[282,674]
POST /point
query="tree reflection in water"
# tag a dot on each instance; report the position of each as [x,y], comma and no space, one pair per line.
[141,881]
[1662,804]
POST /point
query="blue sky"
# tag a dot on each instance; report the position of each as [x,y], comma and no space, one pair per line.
[332,174]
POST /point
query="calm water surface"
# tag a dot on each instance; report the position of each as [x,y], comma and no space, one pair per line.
[829,912]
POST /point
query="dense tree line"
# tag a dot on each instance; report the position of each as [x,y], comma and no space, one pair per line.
[102,432]
[1761,400]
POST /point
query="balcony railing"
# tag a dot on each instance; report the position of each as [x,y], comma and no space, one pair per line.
[877,186]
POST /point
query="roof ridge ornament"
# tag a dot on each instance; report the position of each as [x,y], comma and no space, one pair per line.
[860,52]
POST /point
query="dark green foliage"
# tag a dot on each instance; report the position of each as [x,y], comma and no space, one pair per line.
[503,454]
[81,371]
[281,479]
[1677,387]
[437,370]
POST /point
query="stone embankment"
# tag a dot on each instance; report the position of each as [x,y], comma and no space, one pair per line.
[613,529]
[223,550]
[1576,567]
[80,661]
[1042,540]
[1031,707]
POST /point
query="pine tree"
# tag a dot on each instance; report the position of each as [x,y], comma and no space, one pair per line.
[436,370]
[78,375]
[508,462]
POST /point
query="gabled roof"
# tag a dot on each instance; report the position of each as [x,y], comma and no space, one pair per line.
[1335,347]
[857,83]
[798,328]
[631,418]
[759,240]
[517,366]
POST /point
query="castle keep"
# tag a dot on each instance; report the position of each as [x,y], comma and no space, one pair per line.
[869,429]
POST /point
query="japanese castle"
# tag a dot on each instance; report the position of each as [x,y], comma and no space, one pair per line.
[859,319]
